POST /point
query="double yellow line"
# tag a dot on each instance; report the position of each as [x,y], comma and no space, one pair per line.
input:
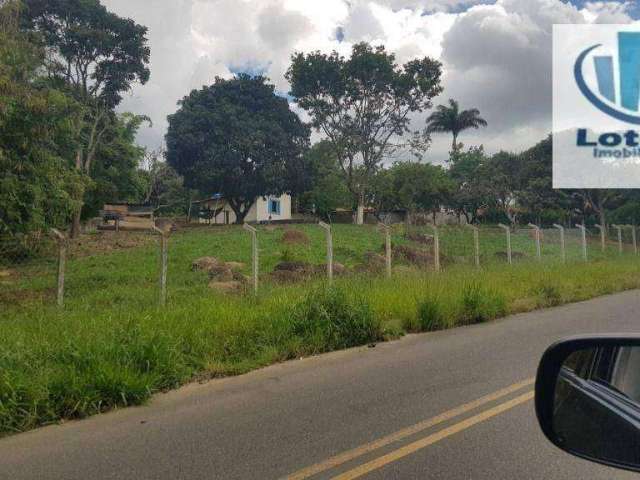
[383,460]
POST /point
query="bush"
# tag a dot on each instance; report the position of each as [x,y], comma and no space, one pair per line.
[329,320]
[480,304]
[549,294]
[431,316]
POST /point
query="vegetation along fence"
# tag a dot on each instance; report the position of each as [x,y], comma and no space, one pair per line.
[153,266]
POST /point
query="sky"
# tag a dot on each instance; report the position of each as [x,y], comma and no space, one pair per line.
[496,54]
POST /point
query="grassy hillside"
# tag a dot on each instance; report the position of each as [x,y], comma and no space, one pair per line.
[112,346]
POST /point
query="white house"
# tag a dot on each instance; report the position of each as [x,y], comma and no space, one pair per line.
[216,210]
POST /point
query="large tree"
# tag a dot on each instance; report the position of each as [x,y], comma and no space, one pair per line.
[97,55]
[450,119]
[37,182]
[468,170]
[238,138]
[362,105]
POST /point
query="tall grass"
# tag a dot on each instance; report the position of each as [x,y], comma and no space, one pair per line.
[112,347]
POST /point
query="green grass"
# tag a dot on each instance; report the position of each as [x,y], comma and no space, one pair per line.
[112,346]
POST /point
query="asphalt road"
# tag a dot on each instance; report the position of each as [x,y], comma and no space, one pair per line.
[450,405]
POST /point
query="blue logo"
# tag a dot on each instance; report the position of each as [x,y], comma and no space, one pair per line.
[618,103]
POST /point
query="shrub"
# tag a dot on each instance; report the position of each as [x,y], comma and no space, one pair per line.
[430,315]
[549,294]
[480,304]
[327,319]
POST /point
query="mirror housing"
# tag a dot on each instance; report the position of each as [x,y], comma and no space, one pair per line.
[587,398]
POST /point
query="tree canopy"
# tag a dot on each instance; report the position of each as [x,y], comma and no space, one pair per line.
[362,106]
[450,119]
[238,138]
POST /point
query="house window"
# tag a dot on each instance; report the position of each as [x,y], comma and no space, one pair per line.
[274,207]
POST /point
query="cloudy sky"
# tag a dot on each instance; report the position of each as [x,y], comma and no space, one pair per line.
[496,53]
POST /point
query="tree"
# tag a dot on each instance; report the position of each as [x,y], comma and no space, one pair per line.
[164,187]
[328,190]
[238,138]
[450,119]
[37,137]
[411,186]
[362,106]
[535,191]
[468,171]
[502,182]
[97,56]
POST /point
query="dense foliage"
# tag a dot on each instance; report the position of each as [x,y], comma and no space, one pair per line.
[238,138]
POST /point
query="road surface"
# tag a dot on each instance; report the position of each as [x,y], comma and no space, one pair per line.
[446,405]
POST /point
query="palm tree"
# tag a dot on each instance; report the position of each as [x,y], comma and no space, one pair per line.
[451,119]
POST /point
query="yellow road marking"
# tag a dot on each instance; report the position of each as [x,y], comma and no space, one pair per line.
[433,438]
[400,434]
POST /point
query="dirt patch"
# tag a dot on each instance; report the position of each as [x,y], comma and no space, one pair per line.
[232,286]
[234,265]
[414,256]
[422,238]
[295,237]
[514,255]
[107,242]
[204,263]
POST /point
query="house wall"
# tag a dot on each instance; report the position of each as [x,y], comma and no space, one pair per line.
[259,211]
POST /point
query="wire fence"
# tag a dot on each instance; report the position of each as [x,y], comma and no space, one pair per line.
[148,267]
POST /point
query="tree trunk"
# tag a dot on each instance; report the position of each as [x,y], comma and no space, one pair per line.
[454,147]
[75,224]
[360,211]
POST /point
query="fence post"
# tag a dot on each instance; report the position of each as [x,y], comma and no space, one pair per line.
[508,232]
[537,233]
[387,246]
[255,269]
[583,229]
[476,243]
[436,248]
[62,261]
[327,228]
[603,237]
[619,229]
[563,252]
[633,239]
[164,242]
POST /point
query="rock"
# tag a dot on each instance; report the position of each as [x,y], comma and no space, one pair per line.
[226,287]
[295,237]
[221,273]
[204,263]
[234,265]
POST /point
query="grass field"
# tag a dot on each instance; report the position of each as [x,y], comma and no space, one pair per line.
[113,346]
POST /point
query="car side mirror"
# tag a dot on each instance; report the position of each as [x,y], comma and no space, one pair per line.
[587,398]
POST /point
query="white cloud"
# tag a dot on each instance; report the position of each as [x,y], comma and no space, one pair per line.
[496,53]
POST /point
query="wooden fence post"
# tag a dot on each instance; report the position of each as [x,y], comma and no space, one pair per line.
[62,262]
[619,229]
[387,246]
[164,257]
[508,232]
[327,229]
[563,252]
[254,256]
[476,244]
[583,229]
[537,234]
[634,239]
[603,237]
